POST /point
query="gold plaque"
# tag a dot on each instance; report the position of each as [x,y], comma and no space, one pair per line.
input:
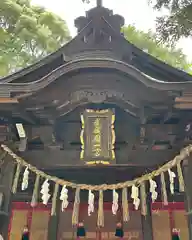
[97,136]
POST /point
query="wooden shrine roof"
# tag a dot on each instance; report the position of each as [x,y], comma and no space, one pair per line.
[99,51]
[111,46]
[98,66]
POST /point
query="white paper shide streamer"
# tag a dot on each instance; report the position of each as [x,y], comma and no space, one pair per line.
[154,193]
[115,204]
[91,199]
[45,192]
[25,181]
[135,196]
[64,198]
[171,179]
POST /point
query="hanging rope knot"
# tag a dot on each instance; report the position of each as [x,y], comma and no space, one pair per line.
[91,203]
[45,192]
[24,184]
[64,198]
[154,193]
[115,204]
[171,179]
[135,196]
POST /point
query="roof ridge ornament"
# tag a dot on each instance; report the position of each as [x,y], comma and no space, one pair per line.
[99,25]
[99,3]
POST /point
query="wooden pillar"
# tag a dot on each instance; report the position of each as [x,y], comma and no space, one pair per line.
[54,223]
[187,170]
[6,179]
[146,221]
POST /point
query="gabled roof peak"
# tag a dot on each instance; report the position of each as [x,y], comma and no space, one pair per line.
[95,15]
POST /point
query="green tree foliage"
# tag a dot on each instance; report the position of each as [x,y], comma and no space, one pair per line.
[178,21]
[148,42]
[27,33]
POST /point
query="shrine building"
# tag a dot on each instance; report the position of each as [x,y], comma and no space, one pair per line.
[88,135]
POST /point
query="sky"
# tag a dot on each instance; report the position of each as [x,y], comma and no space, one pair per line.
[136,12]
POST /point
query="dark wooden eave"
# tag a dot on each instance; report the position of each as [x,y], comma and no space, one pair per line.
[119,48]
[159,84]
[56,58]
[100,63]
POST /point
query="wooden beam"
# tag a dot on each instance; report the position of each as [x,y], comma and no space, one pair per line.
[22,136]
[146,221]
[5,188]
[143,115]
[8,100]
[183,99]
[54,223]
[187,105]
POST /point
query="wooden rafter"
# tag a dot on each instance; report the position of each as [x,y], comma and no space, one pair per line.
[8,100]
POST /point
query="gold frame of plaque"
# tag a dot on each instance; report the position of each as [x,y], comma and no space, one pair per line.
[97,136]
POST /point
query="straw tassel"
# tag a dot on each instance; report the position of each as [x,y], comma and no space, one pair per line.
[34,199]
[100,219]
[2,156]
[75,215]
[54,200]
[143,199]
[16,179]
[180,178]
[163,189]
[125,205]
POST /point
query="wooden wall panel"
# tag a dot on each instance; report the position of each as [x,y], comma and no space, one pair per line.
[39,217]
[90,223]
[19,220]
[65,230]
[180,222]
[39,225]
[110,220]
[161,225]
[133,229]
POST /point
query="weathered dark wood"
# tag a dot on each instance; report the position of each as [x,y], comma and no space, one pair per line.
[53,223]
[118,47]
[128,148]
[5,188]
[133,156]
[146,221]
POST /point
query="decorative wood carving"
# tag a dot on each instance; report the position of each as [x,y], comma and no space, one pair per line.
[96,96]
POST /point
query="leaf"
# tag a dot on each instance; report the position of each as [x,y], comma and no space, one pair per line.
[148,41]
[27,33]
[177,23]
